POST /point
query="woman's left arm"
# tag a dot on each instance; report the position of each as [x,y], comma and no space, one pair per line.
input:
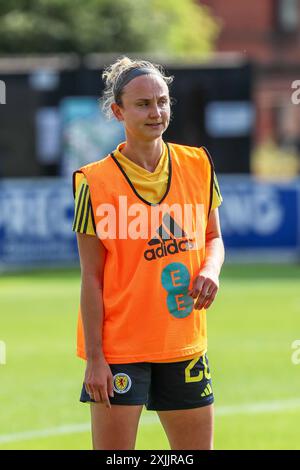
[206,284]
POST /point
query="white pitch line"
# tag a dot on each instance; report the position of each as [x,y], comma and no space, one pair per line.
[59,430]
[259,408]
[248,408]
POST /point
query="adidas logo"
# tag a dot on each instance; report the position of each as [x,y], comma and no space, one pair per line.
[166,241]
[207,391]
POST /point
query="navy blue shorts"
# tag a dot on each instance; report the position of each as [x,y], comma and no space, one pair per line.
[161,386]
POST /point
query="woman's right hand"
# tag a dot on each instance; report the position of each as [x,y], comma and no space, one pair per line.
[98,380]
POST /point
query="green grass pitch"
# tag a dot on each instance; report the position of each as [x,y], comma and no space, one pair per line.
[252,325]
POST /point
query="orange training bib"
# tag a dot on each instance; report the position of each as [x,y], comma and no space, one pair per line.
[154,252]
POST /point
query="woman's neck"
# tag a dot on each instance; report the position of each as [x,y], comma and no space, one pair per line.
[144,154]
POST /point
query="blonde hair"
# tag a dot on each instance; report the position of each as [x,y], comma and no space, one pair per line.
[114,74]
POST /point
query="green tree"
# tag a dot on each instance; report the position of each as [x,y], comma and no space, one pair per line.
[173,27]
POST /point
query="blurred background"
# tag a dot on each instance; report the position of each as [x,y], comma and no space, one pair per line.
[237,90]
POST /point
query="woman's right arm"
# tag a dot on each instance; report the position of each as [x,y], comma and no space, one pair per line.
[98,377]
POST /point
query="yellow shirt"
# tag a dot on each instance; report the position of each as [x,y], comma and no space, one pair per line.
[151,186]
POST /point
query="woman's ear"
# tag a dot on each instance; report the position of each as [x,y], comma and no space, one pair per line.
[117,112]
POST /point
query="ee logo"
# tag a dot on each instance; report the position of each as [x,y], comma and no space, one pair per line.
[175,278]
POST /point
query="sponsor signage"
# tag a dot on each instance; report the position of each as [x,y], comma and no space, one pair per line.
[35,223]
[259,221]
[259,217]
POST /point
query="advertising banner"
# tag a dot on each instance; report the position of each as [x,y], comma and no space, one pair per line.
[260,219]
[35,223]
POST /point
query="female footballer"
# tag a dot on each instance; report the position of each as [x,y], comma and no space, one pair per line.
[151,251]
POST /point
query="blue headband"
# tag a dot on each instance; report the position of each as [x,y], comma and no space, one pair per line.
[125,78]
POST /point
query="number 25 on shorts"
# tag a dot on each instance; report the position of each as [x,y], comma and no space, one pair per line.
[202,373]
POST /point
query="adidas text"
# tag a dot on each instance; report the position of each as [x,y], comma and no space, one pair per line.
[170,248]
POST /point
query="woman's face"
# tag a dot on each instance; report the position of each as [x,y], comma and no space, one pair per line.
[145,108]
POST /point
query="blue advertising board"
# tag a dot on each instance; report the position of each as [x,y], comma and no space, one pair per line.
[35,223]
[260,219]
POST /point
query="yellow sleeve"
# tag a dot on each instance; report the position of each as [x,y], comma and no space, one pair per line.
[83,214]
[216,198]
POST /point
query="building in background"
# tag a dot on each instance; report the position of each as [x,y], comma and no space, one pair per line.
[267,33]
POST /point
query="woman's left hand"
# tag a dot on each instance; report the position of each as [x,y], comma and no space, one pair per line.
[205,288]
